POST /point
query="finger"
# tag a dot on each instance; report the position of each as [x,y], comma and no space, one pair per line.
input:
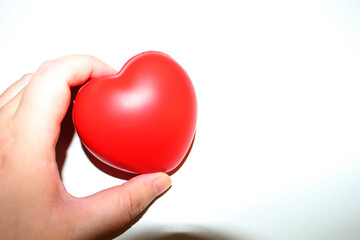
[47,96]
[14,89]
[10,108]
[109,210]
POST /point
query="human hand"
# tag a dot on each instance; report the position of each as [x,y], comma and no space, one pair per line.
[33,201]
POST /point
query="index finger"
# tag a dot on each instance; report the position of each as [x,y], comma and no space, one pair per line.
[47,96]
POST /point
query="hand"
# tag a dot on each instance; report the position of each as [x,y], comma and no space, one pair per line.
[33,201]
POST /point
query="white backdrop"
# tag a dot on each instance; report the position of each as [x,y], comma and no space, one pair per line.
[277,150]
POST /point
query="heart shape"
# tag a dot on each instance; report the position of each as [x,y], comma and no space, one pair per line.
[141,120]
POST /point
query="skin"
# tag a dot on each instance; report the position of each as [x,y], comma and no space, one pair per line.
[33,200]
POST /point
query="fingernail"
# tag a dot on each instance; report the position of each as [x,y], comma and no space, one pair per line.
[162,183]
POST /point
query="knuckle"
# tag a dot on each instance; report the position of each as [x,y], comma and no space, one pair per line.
[52,63]
[46,64]
[49,66]
[83,59]
[134,206]
[27,75]
[92,57]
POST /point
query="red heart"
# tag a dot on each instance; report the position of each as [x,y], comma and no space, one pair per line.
[141,120]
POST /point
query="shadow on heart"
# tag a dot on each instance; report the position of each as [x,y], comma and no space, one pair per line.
[122,174]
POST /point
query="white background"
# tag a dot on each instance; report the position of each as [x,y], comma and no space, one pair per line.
[277,150]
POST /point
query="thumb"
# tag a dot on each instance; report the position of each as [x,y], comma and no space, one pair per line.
[111,209]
